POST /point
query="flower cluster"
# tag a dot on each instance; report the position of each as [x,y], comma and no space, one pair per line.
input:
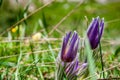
[69,65]
[68,56]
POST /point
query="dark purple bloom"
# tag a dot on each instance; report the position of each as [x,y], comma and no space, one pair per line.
[69,47]
[95,31]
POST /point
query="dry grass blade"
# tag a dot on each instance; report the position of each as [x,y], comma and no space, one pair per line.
[45,63]
[111,21]
[103,71]
[4,57]
[30,39]
[64,18]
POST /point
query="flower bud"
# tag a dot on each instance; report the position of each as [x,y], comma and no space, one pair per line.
[69,47]
[95,31]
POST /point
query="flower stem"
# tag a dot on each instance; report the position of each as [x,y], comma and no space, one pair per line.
[101,57]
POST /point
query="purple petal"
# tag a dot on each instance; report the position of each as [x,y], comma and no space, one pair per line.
[67,37]
[91,24]
[63,48]
[76,47]
[71,53]
[93,33]
[74,69]
[94,30]
[70,47]
[83,66]
[93,27]
[97,40]
[64,45]
[76,65]
[101,27]
[69,68]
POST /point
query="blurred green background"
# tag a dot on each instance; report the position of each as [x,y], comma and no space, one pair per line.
[13,11]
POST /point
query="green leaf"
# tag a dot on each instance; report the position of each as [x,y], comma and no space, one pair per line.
[44,20]
[90,60]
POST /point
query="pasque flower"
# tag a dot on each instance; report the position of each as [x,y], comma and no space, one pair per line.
[74,69]
[68,63]
[69,47]
[95,31]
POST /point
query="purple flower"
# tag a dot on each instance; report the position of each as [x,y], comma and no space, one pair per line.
[69,47]
[95,31]
[74,68]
